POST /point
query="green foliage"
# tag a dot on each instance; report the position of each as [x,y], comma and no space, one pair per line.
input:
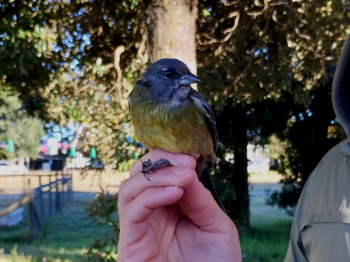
[254,50]
[103,211]
[26,60]
[276,147]
[308,135]
[231,175]
[16,125]
[3,153]
[238,124]
[271,57]
[14,257]
[75,62]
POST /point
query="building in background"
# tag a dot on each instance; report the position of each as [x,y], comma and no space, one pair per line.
[259,161]
[258,158]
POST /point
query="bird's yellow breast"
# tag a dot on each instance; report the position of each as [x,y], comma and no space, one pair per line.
[177,128]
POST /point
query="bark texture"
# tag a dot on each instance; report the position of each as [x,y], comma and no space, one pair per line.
[171,30]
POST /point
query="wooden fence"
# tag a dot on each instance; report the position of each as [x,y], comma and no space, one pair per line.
[44,201]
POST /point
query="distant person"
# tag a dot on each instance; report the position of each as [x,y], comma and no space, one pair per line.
[321,225]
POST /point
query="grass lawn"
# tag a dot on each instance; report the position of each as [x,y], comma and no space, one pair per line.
[64,239]
[68,236]
[268,241]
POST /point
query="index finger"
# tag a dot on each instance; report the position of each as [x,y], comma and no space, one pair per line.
[176,160]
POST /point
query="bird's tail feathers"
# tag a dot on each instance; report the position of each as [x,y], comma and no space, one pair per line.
[205,177]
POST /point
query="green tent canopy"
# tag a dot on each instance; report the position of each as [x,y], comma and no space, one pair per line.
[72,152]
[10,146]
[51,151]
[93,153]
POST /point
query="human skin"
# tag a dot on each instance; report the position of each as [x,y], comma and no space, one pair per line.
[173,217]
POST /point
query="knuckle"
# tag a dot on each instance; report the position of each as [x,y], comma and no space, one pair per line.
[134,169]
[148,191]
[122,187]
[190,175]
[125,212]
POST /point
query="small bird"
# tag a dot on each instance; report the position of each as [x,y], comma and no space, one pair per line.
[168,113]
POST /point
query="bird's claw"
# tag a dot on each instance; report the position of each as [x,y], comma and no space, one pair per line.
[144,169]
[148,166]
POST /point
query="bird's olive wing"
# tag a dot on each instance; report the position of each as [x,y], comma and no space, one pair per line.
[208,114]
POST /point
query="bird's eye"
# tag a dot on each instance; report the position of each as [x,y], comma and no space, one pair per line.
[167,74]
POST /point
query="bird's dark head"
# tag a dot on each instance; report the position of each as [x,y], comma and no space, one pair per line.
[168,79]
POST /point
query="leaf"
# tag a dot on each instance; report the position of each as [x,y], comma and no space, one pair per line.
[21,34]
[205,12]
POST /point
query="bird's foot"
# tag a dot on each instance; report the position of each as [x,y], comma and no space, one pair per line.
[148,166]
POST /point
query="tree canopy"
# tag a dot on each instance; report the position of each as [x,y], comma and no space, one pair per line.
[24,131]
[77,60]
[261,62]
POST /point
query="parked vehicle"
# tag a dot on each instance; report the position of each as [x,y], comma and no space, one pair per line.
[7,168]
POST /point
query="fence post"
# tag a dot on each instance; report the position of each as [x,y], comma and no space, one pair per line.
[50,196]
[41,197]
[62,189]
[31,213]
[24,182]
[58,207]
[64,184]
[70,184]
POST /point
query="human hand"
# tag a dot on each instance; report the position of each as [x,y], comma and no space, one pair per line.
[173,217]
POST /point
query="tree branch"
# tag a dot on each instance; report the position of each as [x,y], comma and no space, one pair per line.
[142,46]
[257,44]
[229,31]
[233,3]
[118,86]
[256,13]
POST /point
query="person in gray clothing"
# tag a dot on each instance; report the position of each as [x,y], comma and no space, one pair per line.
[321,225]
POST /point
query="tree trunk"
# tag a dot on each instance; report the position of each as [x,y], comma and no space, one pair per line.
[20,161]
[240,172]
[171,30]
[79,128]
[231,177]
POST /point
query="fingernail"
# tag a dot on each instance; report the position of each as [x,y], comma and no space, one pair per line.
[182,159]
[170,188]
[178,171]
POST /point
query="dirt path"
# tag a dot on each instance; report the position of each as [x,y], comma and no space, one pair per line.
[264,178]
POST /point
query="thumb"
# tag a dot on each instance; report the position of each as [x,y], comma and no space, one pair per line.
[198,204]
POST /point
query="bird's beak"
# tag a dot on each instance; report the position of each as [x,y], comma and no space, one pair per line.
[188,79]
